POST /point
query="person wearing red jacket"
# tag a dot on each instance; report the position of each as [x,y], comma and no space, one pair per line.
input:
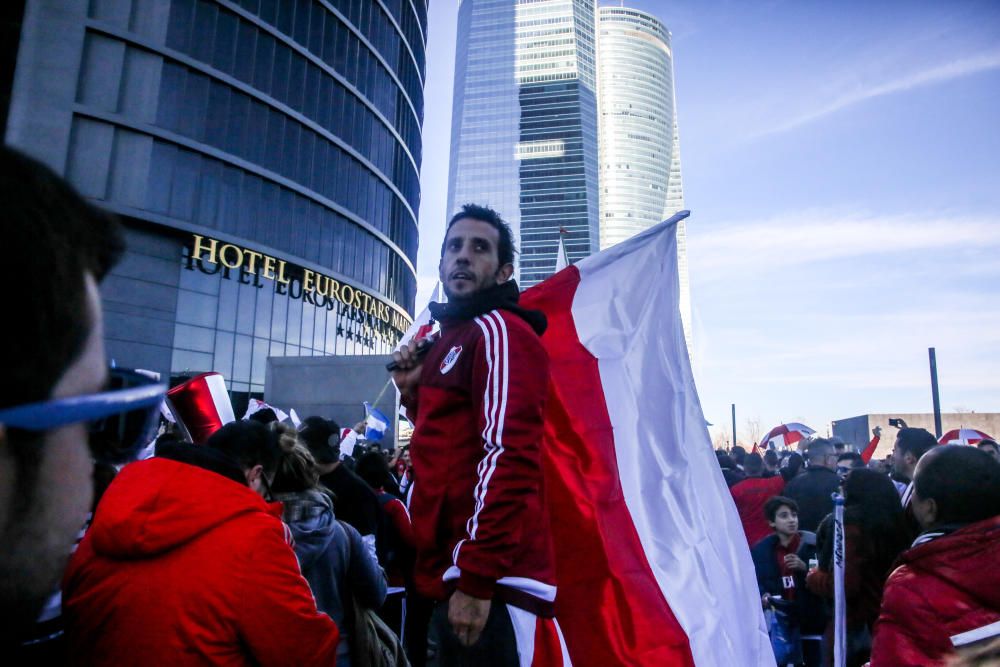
[945,593]
[185,564]
[750,496]
[481,527]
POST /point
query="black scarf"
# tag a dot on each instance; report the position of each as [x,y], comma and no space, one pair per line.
[505,296]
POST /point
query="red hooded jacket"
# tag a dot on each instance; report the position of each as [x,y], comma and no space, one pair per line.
[750,496]
[941,588]
[479,521]
[183,566]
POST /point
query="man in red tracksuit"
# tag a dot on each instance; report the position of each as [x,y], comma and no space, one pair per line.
[477,399]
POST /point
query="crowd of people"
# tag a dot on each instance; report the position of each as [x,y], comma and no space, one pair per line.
[921,528]
[257,541]
[264,543]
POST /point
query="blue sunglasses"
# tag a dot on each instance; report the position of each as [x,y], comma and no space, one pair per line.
[122,420]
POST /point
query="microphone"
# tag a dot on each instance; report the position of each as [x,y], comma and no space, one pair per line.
[423,347]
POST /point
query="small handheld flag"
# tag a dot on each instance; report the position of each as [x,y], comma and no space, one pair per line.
[376,423]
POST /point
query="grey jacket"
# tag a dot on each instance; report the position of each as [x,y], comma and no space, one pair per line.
[334,560]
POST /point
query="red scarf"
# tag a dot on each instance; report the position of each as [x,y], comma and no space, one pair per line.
[787,574]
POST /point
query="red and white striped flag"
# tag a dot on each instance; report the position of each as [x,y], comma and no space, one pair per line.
[651,561]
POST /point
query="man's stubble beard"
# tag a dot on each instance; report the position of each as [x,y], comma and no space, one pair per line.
[32,562]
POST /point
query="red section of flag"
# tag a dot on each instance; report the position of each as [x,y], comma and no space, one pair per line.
[756,449]
[866,455]
[609,604]
[548,650]
[423,331]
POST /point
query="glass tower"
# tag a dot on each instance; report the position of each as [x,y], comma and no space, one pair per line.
[640,167]
[524,124]
[264,156]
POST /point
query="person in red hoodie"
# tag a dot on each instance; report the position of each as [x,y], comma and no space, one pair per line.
[945,592]
[185,564]
[750,496]
[484,548]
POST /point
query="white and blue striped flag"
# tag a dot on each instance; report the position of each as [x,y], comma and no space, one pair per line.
[376,423]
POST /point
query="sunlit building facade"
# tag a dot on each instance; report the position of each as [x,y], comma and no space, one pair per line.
[524,124]
[640,166]
[264,156]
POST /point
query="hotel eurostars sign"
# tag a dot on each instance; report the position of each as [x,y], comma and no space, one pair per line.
[250,267]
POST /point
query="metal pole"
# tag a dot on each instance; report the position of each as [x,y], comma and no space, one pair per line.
[734,424]
[934,392]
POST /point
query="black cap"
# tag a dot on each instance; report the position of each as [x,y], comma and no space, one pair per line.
[322,437]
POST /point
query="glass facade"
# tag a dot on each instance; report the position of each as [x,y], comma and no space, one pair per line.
[524,126]
[289,128]
[640,170]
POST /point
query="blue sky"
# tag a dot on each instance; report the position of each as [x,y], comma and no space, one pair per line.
[842,165]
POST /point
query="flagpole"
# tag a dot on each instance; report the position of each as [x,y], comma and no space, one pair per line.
[935,396]
[839,595]
[734,424]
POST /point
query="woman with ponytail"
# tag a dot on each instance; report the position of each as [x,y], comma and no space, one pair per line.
[332,555]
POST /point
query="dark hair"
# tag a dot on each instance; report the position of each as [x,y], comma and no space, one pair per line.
[265,416]
[963,481]
[248,444]
[771,457]
[872,503]
[795,463]
[738,454]
[505,248]
[989,443]
[853,457]
[54,238]
[725,461]
[819,448]
[916,441]
[775,503]
[373,468]
[321,436]
[753,465]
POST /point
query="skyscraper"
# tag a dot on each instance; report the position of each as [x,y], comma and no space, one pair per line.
[524,124]
[263,154]
[640,166]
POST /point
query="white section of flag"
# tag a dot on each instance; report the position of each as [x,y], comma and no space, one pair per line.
[626,314]
[562,259]
[220,396]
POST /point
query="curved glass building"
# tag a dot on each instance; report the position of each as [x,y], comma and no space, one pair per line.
[640,170]
[264,154]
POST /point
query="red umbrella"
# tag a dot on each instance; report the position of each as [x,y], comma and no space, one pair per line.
[786,435]
[963,436]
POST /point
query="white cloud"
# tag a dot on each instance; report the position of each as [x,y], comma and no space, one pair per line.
[937,74]
[717,251]
[827,314]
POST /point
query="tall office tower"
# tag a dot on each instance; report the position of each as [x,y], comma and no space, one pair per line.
[524,124]
[640,165]
[264,155]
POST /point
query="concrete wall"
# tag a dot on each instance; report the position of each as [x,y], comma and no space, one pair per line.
[332,387]
[857,430]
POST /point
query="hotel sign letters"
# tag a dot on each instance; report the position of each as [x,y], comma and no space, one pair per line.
[250,267]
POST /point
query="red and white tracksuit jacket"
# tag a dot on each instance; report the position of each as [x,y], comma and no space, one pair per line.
[479,517]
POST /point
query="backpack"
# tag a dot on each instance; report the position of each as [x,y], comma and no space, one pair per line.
[373,643]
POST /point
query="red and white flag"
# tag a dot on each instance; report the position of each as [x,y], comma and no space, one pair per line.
[423,324]
[201,406]
[651,562]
